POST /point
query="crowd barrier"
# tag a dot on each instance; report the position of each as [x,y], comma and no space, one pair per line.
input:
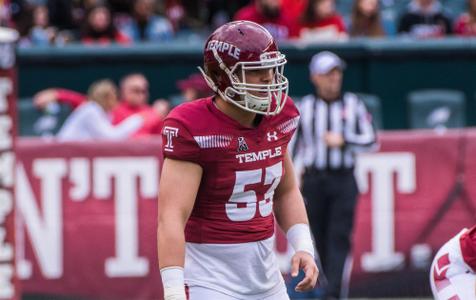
[86,214]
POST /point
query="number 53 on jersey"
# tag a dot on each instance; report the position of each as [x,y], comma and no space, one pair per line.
[242,205]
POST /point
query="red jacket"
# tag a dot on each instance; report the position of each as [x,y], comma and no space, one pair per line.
[464,26]
[335,21]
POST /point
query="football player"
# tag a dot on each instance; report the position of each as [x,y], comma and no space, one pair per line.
[453,271]
[227,176]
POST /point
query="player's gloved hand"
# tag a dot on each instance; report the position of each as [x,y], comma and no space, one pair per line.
[303,260]
[173,282]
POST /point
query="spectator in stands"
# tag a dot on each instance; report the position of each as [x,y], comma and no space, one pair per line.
[321,21]
[176,14]
[270,14]
[41,33]
[220,12]
[134,90]
[194,87]
[135,94]
[145,25]
[90,121]
[295,8]
[366,20]
[35,28]
[425,19]
[21,15]
[99,29]
[466,23]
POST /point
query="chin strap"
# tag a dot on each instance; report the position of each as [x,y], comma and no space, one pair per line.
[208,80]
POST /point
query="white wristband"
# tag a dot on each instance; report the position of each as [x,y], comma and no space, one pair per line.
[299,236]
[173,282]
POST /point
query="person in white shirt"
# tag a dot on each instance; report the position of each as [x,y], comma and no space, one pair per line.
[91,121]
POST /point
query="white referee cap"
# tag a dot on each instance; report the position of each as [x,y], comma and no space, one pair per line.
[324,62]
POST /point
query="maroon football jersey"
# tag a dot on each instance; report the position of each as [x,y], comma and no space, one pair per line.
[241,169]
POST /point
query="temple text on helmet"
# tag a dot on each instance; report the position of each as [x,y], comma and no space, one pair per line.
[223,47]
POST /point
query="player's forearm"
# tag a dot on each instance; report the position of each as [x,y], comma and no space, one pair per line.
[291,215]
[289,206]
[289,209]
[171,242]
[171,248]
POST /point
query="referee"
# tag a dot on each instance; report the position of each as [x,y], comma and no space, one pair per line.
[334,126]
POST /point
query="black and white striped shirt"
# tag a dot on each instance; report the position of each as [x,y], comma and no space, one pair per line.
[347,116]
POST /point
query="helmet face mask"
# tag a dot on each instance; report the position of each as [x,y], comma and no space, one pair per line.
[261,97]
[228,60]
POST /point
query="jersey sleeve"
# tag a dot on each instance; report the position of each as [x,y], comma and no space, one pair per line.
[178,143]
[292,116]
[288,123]
[468,247]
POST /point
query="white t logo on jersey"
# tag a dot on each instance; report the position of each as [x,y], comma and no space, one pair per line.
[272,136]
[169,132]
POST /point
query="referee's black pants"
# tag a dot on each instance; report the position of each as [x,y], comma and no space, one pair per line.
[331,198]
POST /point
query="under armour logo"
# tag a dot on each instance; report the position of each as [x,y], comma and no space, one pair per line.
[242,146]
[272,136]
[169,132]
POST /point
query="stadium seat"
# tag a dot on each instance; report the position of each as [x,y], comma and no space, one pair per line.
[374,106]
[436,109]
[34,122]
